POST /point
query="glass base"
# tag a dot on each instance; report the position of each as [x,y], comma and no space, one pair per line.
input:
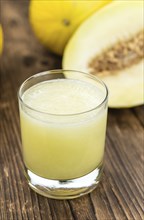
[64,189]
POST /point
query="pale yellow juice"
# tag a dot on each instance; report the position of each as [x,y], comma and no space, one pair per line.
[59,142]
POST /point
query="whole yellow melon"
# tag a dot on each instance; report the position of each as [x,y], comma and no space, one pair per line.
[1,39]
[55,21]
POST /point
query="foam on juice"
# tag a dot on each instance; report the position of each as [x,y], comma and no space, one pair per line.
[63,96]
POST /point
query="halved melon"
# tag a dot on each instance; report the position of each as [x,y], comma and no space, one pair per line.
[110,45]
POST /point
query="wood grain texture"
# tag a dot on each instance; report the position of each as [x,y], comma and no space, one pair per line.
[120,194]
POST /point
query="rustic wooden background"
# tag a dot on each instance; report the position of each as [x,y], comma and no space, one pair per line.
[120,194]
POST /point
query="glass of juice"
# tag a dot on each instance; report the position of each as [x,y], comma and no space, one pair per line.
[63,116]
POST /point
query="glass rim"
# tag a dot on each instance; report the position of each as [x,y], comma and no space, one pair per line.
[43,73]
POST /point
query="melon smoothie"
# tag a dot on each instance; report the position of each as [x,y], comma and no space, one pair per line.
[63,124]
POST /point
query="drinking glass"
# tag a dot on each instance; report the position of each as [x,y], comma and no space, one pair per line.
[63,116]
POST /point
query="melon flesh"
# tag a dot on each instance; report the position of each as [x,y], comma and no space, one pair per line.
[117,22]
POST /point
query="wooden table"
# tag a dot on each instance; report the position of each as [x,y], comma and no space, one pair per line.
[119,195]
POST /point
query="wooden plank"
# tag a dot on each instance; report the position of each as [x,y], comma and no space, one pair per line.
[118,196]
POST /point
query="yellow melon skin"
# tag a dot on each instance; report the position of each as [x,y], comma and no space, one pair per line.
[1,39]
[117,21]
[55,21]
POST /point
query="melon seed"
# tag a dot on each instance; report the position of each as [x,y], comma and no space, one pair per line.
[119,56]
